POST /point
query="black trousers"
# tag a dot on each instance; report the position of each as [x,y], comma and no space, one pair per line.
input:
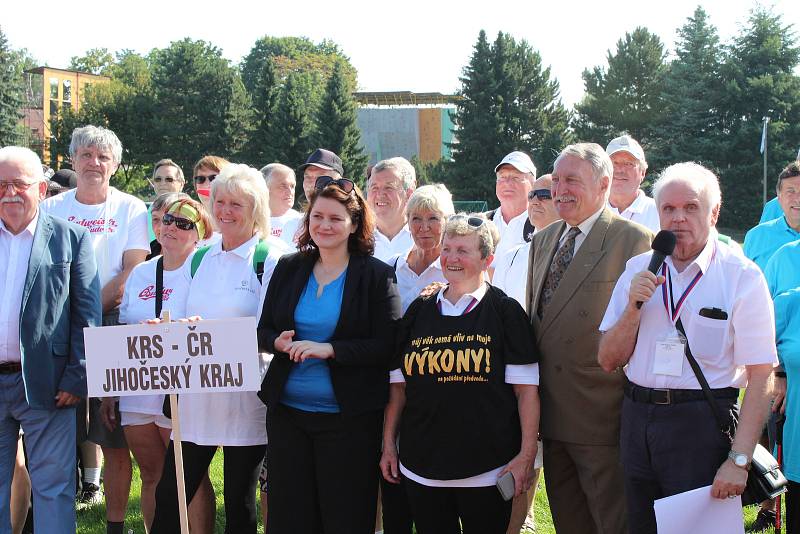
[396,508]
[241,468]
[792,519]
[438,510]
[321,471]
[666,450]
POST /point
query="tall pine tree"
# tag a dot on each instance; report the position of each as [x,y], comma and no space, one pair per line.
[265,94]
[509,102]
[11,94]
[626,97]
[337,127]
[293,121]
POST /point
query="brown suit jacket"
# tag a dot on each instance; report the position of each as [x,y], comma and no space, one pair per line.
[580,403]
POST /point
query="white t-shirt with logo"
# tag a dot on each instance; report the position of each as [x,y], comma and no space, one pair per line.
[225,286]
[117,225]
[285,227]
[138,304]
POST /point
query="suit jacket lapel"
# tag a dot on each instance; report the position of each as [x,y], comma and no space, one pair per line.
[355,268]
[582,264]
[44,229]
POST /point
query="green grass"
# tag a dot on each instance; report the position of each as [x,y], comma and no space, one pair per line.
[92,521]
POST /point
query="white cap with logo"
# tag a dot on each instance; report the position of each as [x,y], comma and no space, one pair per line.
[520,161]
[626,143]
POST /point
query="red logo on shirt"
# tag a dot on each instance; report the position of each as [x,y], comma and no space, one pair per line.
[150,293]
[276,232]
[95,226]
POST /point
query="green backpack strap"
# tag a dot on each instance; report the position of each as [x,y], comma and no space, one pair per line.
[198,257]
[259,257]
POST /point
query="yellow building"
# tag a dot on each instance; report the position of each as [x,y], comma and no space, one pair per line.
[48,91]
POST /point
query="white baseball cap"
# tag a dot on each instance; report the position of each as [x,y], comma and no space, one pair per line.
[626,143]
[520,161]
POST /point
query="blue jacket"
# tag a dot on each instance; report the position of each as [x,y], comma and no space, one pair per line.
[60,298]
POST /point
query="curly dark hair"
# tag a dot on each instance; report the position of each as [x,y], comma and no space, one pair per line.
[362,241]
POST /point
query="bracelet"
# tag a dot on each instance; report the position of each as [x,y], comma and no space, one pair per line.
[780,374]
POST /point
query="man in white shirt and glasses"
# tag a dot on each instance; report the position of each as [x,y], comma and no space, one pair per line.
[514,177]
[626,198]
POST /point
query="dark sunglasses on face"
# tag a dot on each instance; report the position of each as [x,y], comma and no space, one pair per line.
[344,184]
[474,222]
[541,194]
[180,222]
[199,179]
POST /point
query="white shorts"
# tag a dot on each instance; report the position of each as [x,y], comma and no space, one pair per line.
[136,418]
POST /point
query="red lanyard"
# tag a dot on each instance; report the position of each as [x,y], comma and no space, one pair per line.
[674,308]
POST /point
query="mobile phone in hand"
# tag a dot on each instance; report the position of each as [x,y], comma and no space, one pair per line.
[505,484]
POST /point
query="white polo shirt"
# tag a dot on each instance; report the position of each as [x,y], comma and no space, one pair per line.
[409,283]
[722,347]
[511,233]
[15,253]
[386,248]
[511,273]
[643,210]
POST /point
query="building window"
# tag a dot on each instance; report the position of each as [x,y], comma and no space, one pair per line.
[53,108]
[67,91]
[54,88]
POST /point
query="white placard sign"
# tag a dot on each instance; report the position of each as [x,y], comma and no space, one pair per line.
[210,356]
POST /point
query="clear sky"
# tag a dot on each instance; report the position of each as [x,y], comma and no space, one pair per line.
[405,45]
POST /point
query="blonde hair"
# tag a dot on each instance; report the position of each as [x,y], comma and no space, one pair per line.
[241,179]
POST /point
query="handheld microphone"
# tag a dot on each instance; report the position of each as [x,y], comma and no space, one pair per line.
[663,245]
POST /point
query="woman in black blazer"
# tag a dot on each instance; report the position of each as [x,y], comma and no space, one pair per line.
[329,318]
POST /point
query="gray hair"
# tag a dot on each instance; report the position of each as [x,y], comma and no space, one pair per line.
[26,157]
[488,235]
[96,136]
[592,153]
[692,174]
[165,200]
[241,179]
[166,162]
[434,197]
[268,170]
[401,167]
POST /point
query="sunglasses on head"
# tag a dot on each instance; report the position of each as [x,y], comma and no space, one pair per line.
[473,221]
[180,222]
[199,179]
[344,184]
[541,194]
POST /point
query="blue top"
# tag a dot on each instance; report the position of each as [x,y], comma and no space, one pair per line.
[787,332]
[772,210]
[309,385]
[761,242]
[783,269]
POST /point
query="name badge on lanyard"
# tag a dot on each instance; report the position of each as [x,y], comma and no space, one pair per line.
[670,351]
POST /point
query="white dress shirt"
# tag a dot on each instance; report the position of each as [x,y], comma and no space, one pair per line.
[409,283]
[15,253]
[386,248]
[643,210]
[585,227]
[722,347]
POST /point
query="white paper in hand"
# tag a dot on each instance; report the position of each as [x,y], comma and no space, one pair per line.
[698,511]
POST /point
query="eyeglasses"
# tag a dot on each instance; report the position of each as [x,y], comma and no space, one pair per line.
[516,179]
[200,179]
[170,179]
[541,194]
[626,164]
[180,222]
[344,184]
[473,221]
[18,185]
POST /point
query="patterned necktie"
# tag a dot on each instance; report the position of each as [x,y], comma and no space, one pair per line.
[561,261]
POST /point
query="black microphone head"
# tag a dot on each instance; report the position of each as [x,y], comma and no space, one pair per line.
[664,242]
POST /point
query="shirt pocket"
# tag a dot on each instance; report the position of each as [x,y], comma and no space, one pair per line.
[707,338]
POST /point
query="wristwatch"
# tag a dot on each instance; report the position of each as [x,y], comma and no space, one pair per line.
[739,459]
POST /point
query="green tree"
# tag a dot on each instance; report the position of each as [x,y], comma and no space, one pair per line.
[689,128]
[265,95]
[508,102]
[293,121]
[11,94]
[626,97]
[760,80]
[95,61]
[336,124]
